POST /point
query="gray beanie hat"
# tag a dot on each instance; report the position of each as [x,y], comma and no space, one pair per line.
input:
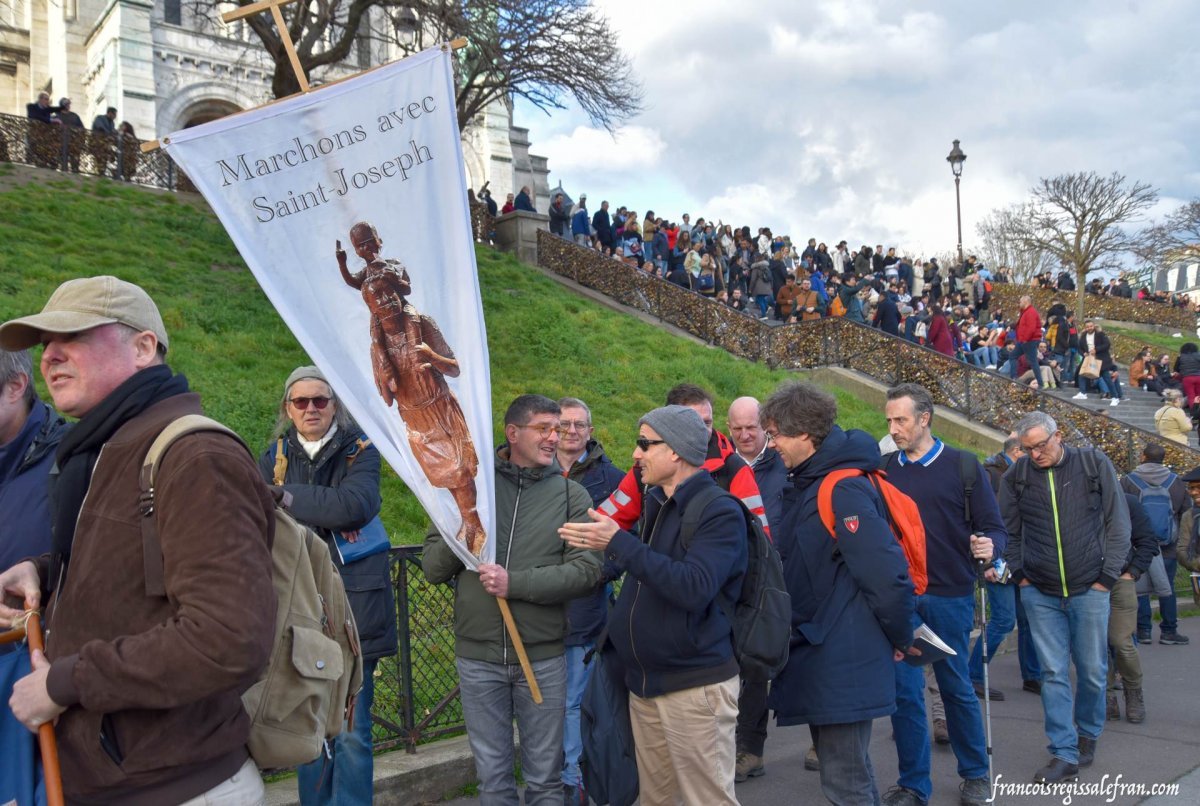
[301,373]
[683,431]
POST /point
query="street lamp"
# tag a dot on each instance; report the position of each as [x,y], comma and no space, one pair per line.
[406,24]
[956,160]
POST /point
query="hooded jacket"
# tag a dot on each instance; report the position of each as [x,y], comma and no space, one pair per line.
[543,571]
[1156,474]
[667,626]
[852,598]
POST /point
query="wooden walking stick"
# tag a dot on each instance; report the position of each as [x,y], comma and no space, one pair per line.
[534,691]
[51,772]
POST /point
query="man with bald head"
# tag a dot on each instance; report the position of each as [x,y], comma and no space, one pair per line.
[771,475]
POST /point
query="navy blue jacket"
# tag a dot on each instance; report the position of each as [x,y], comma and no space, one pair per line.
[667,627]
[771,476]
[597,474]
[579,222]
[25,463]
[852,600]
[523,202]
[887,315]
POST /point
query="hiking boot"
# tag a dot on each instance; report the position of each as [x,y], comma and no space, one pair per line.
[1032,686]
[940,734]
[1112,710]
[748,766]
[1056,771]
[1087,751]
[902,796]
[993,694]
[1145,637]
[974,792]
[1135,706]
[812,762]
[1172,638]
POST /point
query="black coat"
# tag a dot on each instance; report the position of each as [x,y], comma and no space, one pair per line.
[330,494]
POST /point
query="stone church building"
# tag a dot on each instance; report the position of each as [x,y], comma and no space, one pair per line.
[164,70]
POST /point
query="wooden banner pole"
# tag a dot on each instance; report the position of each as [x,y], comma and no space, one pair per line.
[519,646]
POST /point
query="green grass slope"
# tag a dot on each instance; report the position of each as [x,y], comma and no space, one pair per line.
[236,351]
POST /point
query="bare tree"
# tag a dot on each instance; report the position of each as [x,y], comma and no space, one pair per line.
[1177,237]
[1003,246]
[1081,220]
[549,52]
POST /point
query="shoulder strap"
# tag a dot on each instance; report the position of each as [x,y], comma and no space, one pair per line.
[694,509]
[1138,481]
[1021,480]
[969,472]
[825,495]
[1092,468]
[152,559]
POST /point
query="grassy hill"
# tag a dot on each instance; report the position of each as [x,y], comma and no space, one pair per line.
[236,351]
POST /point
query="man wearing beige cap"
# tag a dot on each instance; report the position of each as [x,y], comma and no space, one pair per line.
[145,662]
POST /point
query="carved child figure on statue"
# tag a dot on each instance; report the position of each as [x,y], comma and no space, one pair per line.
[410,359]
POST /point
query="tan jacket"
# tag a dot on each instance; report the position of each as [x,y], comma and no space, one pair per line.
[1171,423]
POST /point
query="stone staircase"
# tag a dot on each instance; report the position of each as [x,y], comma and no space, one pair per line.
[1136,409]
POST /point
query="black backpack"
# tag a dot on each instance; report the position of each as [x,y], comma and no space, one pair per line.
[762,615]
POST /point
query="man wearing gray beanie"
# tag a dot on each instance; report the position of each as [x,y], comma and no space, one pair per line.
[676,644]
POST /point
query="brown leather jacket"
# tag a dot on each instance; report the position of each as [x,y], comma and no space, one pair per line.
[153,684]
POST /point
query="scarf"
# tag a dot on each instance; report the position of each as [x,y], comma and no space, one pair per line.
[79,449]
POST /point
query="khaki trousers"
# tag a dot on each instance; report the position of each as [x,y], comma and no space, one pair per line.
[686,746]
[1122,622]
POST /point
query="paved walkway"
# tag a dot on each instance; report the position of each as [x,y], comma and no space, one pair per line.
[1164,749]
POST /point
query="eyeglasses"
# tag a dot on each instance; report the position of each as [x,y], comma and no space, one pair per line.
[578,425]
[644,444]
[543,430]
[771,435]
[301,403]
[1039,447]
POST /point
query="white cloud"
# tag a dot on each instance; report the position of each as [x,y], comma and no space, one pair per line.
[833,118]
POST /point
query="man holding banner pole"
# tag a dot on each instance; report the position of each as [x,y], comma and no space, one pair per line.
[537,573]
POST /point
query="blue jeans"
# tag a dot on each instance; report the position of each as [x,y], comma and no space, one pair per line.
[578,675]
[1029,349]
[951,618]
[1167,605]
[764,302]
[492,694]
[985,356]
[1065,630]
[347,777]
[846,773]
[1101,383]
[1005,603]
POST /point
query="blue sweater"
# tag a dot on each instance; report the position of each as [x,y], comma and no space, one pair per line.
[935,483]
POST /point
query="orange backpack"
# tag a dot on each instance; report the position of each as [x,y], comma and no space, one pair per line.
[837,307]
[902,515]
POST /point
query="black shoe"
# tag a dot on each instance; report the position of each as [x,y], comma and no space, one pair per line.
[1057,770]
[993,694]
[1172,638]
[1032,686]
[574,795]
[974,792]
[1087,751]
[1144,637]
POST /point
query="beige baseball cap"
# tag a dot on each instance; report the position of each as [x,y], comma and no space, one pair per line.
[83,304]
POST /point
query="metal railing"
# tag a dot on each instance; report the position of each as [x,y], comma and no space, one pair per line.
[75,150]
[416,692]
[985,397]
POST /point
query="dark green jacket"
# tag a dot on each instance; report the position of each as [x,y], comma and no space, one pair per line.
[544,572]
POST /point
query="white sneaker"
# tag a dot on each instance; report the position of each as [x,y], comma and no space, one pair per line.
[990,366]
[1114,401]
[1080,396]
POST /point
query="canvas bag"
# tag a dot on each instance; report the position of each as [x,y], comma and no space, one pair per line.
[315,671]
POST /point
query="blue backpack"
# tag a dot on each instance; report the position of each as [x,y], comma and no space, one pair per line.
[1157,501]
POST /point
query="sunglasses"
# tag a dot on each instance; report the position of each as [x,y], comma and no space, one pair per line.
[644,444]
[301,403]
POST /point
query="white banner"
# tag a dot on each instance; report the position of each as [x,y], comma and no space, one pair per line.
[349,206]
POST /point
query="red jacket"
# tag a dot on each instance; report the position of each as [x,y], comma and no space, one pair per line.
[728,469]
[1029,325]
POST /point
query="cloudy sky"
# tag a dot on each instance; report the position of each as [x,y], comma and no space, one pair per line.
[833,118]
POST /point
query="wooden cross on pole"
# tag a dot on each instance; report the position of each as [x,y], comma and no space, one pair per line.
[284,36]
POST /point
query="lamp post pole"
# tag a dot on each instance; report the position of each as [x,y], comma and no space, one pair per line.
[956,160]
